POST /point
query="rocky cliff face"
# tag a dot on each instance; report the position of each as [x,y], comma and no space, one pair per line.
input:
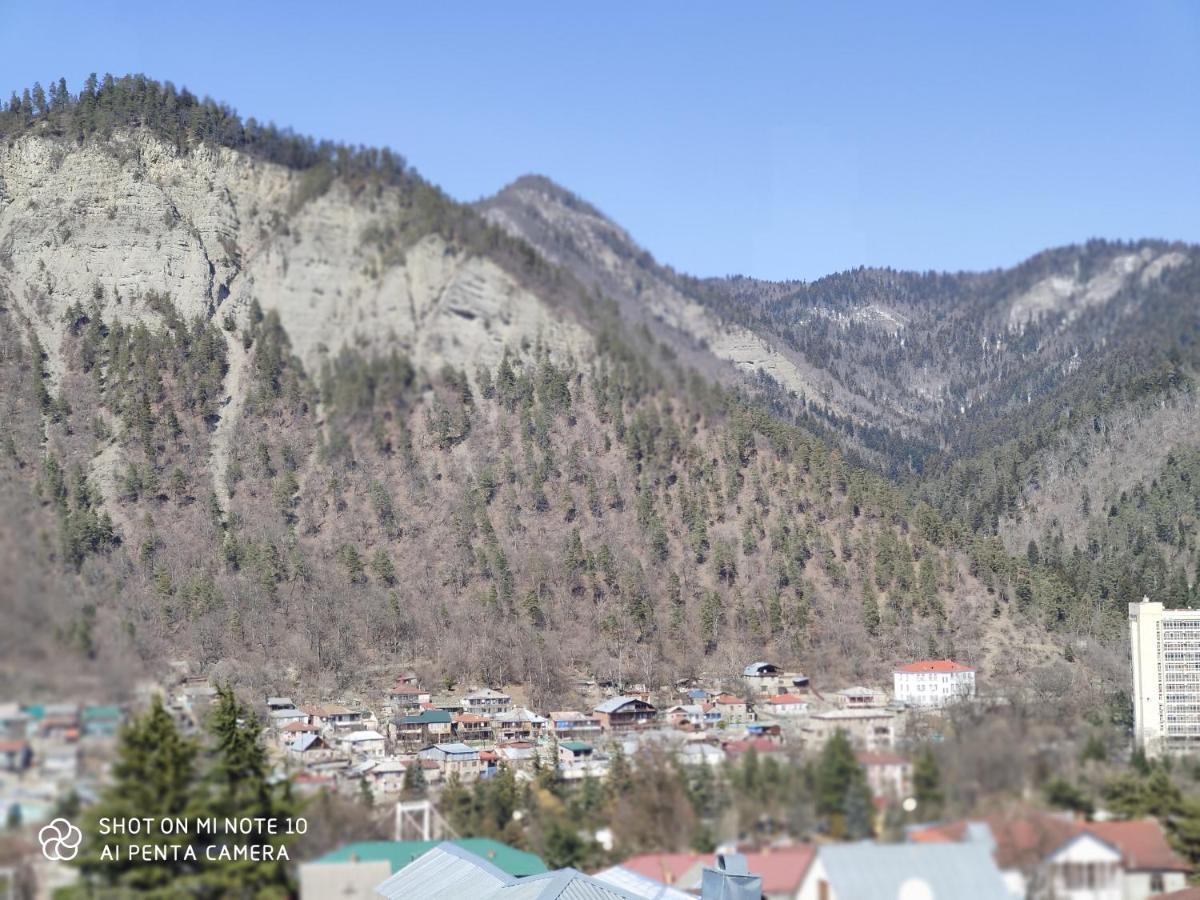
[216,229]
[115,223]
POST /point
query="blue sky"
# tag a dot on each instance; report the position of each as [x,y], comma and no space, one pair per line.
[777,140]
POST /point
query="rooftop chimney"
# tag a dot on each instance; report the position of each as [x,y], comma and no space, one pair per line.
[730,880]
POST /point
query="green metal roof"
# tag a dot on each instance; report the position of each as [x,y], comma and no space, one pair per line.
[399,854]
[91,713]
[576,746]
[427,717]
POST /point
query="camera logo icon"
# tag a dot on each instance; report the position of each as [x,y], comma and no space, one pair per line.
[60,840]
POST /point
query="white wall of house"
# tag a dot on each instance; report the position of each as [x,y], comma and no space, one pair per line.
[933,689]
[1143,885]
[1085,868]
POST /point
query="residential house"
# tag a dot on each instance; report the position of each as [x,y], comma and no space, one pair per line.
[364,743]
[15,755]
[733,709]
[386,776]
[59,722]
[889,775]
[1044,855]
[472,728]
[517,724]
[332,716]
[782,869]
[450,703]
[14,722]
[407,699]
[688,715]
[762,679]
[785,705]
[278,703]
[281,718]
[933,683]
[310,748]
[697,754]
[430,726]
[309,783]
[288,733]
[454,759]
[59,761]
[762,747]
[569,724]
[867,729]
[449,871]
[194,698]
[487,702]
[859,697]
[346,872]
[489,763]
[625,714]
[520,756]
[100,722]
[868,870]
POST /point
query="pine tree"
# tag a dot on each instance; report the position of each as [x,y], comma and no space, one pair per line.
[414,780]
[154,776]
[927,785]
[239,785]
[841,789]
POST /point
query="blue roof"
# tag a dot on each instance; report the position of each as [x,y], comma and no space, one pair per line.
[457,747]
[949,871]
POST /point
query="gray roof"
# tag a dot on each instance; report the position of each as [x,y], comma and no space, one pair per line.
[640,885]
[612,704]
[563,884]
[455,749]
[756,668]
[446,872]
[878,871]
[305,741]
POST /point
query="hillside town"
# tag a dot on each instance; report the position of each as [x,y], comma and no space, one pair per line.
[407,743]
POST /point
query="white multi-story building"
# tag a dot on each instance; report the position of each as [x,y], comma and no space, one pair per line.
[933,683]
[1165,648]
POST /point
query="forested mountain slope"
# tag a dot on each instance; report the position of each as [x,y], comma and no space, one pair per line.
[283,409]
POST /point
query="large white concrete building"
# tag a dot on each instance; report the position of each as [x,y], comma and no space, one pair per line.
[1165,648]
[933,683]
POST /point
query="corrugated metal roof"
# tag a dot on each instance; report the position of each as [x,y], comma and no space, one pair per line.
[869,871]
[640,885]
[563,884]
[446,872]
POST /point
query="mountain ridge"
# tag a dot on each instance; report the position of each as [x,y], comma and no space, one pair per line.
[318,376]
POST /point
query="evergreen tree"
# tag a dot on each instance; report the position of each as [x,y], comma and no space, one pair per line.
[927,785]
[239,785]
[414,780]
[841,789]
[154,776]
